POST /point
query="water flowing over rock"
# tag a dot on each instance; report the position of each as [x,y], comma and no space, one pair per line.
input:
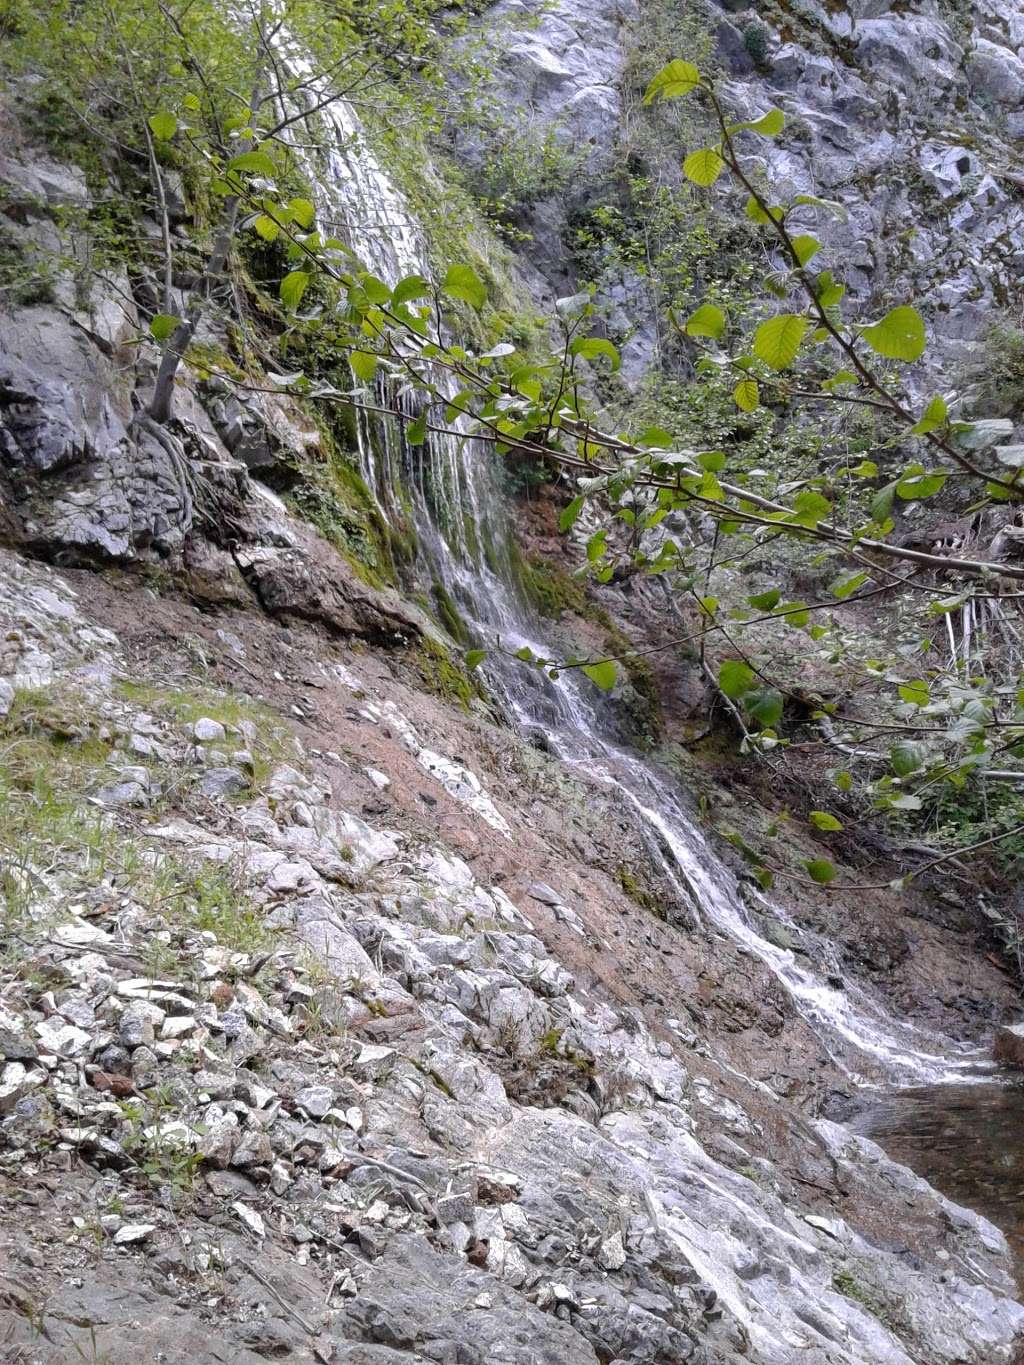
[337,999]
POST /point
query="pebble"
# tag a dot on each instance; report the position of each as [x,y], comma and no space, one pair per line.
[138,1023]
[221,782]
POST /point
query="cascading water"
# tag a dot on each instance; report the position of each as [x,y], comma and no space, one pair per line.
[451,492]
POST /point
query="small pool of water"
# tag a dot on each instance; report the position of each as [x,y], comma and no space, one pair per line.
[966,1140]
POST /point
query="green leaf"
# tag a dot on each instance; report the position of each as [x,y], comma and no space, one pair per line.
[657,437]
[746,395]
[840,380]
[765,705]
[364,364]
[772,213]
[603,674]
[844,780]
[303,211]
[777,341]
[570,513]
[462,282]
[916,483]
[768,125]
[675,79]
[703,167]
[712,460]
[899,335]
[843,587]
[526,654]
[764,601]
[292,288]
[804,248]
[416,432]
[592,347]
[163,125]
[881,503]
[255,162]
[707,321]
[375,289]
[794,613]
[821,871]
[267,228]
[918,693]
[907,757]
[474,658]
[821,819]
[412,287]
[811,507]
[932,418]
[735,678]
[163,325]
[828,293]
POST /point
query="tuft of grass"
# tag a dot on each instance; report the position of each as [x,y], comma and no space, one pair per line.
[273,743]
[213,897]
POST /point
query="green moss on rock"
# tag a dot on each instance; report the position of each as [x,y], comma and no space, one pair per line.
[443,675]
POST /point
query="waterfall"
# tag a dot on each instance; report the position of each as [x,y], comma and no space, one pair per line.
[453,495]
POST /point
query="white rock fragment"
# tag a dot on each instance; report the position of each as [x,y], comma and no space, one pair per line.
[316,1100]
[131,1233]
[63,1039]
[250,1218]
[612,1253]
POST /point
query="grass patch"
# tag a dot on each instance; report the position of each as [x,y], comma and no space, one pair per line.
[56,845]
[51,758]
[203,896]
[259,728]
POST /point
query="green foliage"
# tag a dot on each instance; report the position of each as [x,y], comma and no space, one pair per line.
[755,40]
[27,276]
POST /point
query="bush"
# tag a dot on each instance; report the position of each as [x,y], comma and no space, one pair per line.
[755,40]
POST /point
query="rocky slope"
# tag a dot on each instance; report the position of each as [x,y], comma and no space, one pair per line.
[306,1057]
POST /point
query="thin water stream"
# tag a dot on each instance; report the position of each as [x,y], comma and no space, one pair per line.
[933,1103]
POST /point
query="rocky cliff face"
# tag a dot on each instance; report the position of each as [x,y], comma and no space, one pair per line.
[911,118]
[340,1022]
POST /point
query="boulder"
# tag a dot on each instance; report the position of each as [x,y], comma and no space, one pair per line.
[1009,1045]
